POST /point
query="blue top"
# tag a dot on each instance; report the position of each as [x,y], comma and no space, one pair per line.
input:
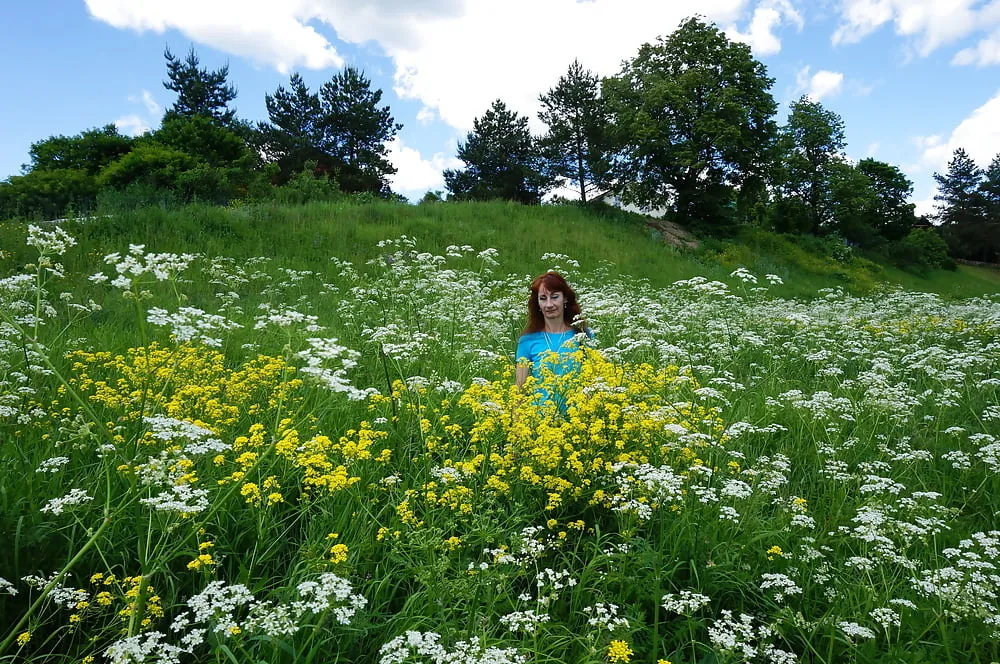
[553,348]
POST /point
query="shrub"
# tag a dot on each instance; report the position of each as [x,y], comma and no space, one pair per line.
[922,250]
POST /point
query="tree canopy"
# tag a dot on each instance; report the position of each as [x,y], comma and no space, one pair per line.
[502,160]
[575,147]
[692,117]
[199,91]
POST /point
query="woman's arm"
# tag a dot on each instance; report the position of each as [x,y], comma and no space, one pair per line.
[521,374]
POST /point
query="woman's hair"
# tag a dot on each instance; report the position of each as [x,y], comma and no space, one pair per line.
[553,282]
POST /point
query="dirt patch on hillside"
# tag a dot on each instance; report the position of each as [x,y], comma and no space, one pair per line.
[674,234]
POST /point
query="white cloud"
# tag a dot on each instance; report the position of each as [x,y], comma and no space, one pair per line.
[983,54]
[148,101]
[415,174]
[978,134]
[821,84]
[872,149]
[454,56]
[132,125]
[426,115]
[767,17]
[928,24]
[269,33]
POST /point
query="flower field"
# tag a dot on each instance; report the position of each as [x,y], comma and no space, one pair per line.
[211,460]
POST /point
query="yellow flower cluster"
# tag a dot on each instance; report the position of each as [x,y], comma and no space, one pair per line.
[185,382]
[619,651]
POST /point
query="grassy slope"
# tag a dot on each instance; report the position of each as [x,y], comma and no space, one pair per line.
[307,236]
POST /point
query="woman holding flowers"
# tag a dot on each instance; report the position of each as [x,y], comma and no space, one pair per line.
[549,341]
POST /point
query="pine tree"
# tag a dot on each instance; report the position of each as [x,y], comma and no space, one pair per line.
[356,131]
[959,191]
[502,160]
[990,191]
[577,118]
[294,134]
[199,91]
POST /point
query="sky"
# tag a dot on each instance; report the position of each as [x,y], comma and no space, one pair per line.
[912,79]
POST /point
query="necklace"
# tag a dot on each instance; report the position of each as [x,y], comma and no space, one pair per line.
[548,339]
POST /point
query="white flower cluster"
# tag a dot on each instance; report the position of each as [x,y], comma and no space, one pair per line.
[425,647]
[72,499]
[685,602]
[217,609]
[52,465]
[323,351]
[137,263]
[747,640]
[524,621]
[201,440]
[780,586]
[641,487]
[7,587]
[49,243]
[192,325]
[605,616]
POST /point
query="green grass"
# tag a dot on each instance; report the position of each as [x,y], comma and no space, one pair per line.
[719,442]
[306,236]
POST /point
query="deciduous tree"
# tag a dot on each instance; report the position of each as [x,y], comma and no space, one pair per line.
[693,118]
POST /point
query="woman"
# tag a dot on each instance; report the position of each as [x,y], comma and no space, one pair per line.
[554,318]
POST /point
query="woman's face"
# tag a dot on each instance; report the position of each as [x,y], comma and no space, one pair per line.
[551,303]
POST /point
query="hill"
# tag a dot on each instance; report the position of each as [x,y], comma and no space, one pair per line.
[307,236]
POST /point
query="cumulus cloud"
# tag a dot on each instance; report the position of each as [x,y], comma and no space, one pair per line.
[819,85]
[929,24]
[269,33]
[453,56]
[132,125]
[978,134]
[983,54]
[767,17]
[415,174]
[425,115]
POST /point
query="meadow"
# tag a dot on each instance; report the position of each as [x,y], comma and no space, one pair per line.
[318,455]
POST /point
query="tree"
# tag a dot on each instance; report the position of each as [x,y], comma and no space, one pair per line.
[88,151]
[989,190]
[692,117]
[959,191]
[294,134]
[355,132]
[199,91]
[891,215]
[809,145]
[577,117]
[502,160]
[201,137]
[848,203]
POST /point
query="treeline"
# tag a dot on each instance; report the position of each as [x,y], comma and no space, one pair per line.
[687,126]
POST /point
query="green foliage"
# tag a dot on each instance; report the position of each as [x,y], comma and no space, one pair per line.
[88,151]
[693,123]
[891,216]
[989,189]
[961,201]
[149,163]
[810,144]
[502,160]
[199,91]
[305,187]
[922,250]
[576,144]
[294,134]
[203,138]
[973,240]
[47,193]
[356,130]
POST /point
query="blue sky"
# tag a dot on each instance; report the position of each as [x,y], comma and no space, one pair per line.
[912,79]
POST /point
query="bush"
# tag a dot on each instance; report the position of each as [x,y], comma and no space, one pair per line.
[921,251]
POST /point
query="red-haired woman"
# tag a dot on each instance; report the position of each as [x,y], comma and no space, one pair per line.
[554,318]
